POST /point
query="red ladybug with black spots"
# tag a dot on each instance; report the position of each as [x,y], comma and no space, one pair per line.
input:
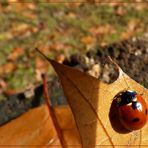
[132,109]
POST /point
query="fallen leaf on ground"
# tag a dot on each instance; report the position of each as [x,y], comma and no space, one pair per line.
[120,11]
[102,29]
[72,15]
[23,30]
[87,40]
[60,58]
[95,114]
[15,54]
[7,68]
[41,67]
[35,128]
[57,46]
[132,28]
[126,35]
[132,24]
[3,84]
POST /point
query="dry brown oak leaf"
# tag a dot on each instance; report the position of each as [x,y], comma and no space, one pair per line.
[95,114]
[94,110]
[35,129]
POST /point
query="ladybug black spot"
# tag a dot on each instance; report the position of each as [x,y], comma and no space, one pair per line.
[146,111]
[135,120]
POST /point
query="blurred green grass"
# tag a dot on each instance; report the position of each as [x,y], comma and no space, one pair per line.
[58,23]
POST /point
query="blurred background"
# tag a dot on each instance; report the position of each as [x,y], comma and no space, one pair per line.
[77,33]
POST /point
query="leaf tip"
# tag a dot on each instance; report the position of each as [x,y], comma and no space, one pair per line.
[116,65]
[41,53]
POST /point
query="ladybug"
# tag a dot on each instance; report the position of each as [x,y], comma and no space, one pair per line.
[132,110]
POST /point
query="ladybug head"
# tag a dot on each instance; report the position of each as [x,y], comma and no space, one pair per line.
[126,97]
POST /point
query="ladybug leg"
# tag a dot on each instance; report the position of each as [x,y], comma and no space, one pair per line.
[142,92]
